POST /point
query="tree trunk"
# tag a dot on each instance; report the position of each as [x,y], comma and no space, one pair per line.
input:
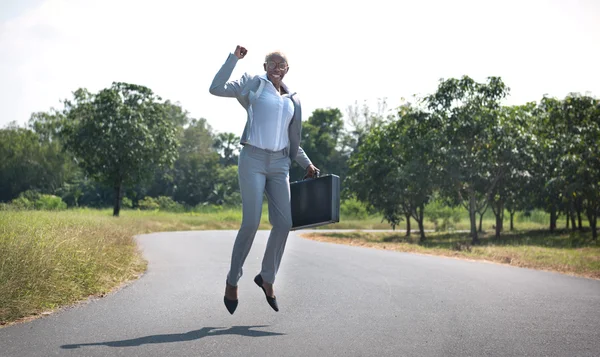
[592,218]
[499,218]
[552,218]
[568,220]
[481,223]
[117,206]
[579,220]
[408,225]
[420,221]
[473,218]
[571,216]
[512,226]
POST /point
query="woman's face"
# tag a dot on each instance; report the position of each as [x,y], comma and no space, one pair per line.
[276,68]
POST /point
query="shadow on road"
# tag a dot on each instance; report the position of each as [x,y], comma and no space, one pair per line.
[181,337]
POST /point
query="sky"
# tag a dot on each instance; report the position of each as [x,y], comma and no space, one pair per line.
[339,52]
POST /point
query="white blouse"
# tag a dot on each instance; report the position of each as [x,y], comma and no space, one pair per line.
[271,117]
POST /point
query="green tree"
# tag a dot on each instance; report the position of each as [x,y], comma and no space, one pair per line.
[227,145]
[395,169]
[197,168]
[581,161]
[119,135]
[550,128]
[30,162]
[468,112]
[321,135]
[512,154]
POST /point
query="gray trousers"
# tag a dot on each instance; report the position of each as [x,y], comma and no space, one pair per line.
[261,172]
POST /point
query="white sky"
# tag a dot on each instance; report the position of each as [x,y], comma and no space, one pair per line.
[339,51]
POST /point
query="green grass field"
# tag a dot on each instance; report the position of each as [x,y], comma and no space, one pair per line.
[52,259]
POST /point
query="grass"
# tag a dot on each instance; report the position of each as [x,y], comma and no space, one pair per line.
[53,259]
[565,252]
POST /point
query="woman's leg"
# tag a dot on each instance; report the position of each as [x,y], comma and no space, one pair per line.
[252,179]
[280,216]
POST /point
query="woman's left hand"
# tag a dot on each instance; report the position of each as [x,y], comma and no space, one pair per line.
[311,171]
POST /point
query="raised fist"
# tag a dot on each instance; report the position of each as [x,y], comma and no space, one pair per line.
[240,52]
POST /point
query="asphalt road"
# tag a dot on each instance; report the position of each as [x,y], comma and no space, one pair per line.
[334,300]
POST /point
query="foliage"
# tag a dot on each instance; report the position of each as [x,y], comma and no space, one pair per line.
[353,208]
[119,135]
[127,203]
[227,145]
[443,217]
[321,136]
[148,203]
[394,168]
[30,162]
[468,115]
[33,200]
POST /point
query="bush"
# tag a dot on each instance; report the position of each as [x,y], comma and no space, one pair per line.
[162,203]
[444,218]
[22,203]
[148,203]
[354,208]
[30,200]
[126,202]
[50,203]
[166,203]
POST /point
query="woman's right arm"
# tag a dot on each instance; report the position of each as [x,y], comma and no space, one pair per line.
[220,85]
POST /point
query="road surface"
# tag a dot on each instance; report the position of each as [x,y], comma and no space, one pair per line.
[334,300]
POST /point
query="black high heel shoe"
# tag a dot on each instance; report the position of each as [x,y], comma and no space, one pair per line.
[271,300]
[231,305]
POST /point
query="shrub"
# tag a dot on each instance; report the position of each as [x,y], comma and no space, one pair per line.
[444,218]
[22,203]
[50,203]
[148,203]
[353,208]
[127,203]
[166,203]
[30,200]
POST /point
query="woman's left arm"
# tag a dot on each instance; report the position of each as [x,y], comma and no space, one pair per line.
[303,160]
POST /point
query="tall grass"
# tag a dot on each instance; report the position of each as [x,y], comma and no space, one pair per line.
[50,259]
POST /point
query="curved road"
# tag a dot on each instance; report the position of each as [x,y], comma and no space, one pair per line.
[335,300]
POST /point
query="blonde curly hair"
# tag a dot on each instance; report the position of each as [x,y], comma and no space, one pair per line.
[276,53]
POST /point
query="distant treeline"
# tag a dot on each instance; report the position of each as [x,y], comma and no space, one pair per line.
[126,146]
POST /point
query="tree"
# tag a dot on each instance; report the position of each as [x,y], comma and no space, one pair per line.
[30,162]
[321,135]
[550,144]
[395,169]
[196,170]
[119,135]
[468,112]
[582,154]
[227,145]
[512,153]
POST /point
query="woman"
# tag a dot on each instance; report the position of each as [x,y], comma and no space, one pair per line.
[271,140]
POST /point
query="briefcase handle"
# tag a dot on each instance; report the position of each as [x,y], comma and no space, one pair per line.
[317,174]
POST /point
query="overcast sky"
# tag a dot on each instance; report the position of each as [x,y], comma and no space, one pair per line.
[339,51]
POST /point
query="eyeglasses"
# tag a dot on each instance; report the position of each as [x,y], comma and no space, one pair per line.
[272,65]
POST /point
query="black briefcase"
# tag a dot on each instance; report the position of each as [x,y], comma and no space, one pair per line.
[315,201]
